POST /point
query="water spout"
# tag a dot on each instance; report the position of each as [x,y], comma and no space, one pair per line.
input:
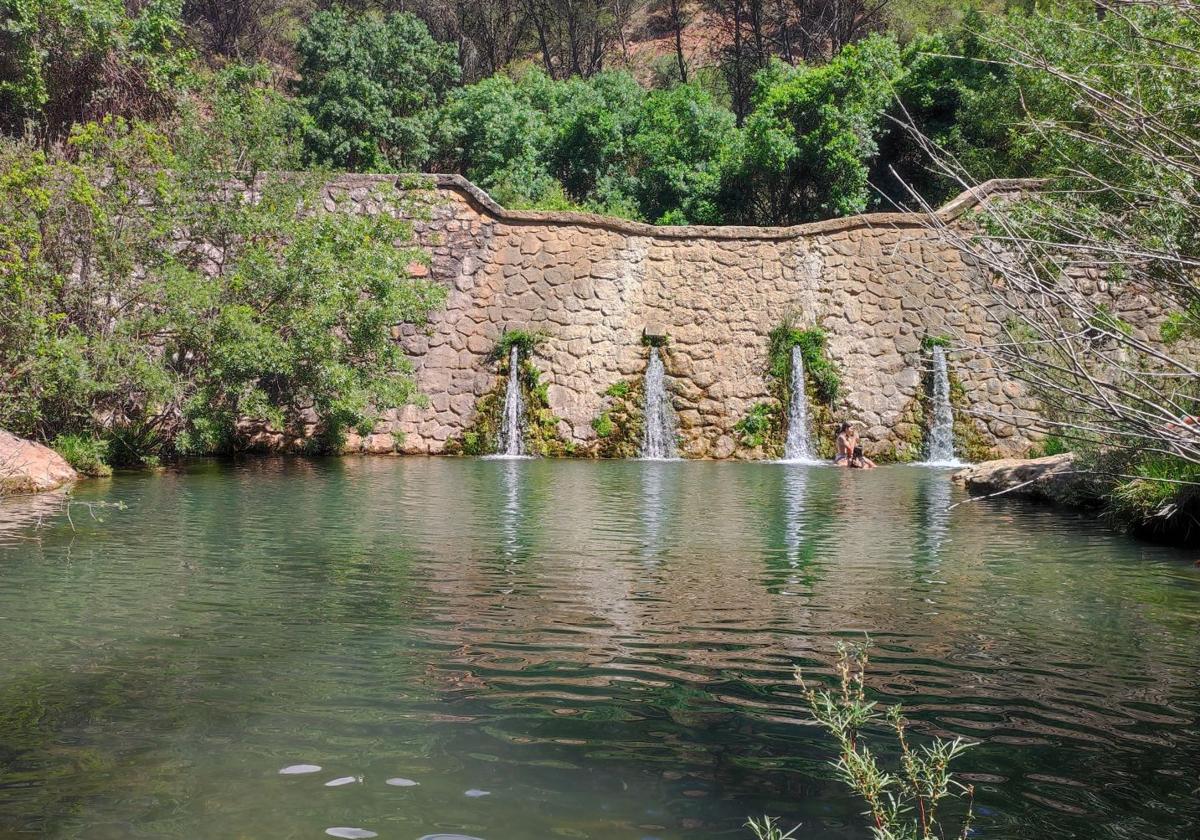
[798,446]
[658,439]
[939,448]
[511,442]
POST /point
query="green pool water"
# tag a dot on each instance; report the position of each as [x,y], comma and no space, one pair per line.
[604,649]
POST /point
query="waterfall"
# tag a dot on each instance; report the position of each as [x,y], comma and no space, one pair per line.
[940,445]
[511,443]
[798,446]
[658,440]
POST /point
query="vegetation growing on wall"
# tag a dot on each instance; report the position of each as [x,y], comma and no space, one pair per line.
[821,378]
[763,428]
[621,423]
[540,427]
[113,329]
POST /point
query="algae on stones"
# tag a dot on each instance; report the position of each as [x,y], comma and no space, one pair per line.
[540,426]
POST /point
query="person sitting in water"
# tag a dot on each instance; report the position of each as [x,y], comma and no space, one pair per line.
[845,442]
[859,461]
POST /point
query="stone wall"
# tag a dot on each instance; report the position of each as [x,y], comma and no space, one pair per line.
[877,284]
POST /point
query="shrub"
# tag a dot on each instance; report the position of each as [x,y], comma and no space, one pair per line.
[818,370]
[756,427]
[904,803]
[524,340]
[88,455]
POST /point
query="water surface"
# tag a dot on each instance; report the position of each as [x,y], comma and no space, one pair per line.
[540,649]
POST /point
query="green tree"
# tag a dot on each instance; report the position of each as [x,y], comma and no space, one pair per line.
[63,62]
[812,136]
[683,144]
[372,85]
[116,328]
[497,133]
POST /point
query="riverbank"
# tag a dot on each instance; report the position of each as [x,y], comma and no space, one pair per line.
[1065,481]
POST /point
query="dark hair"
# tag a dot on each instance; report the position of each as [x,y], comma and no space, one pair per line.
[858,453]
[844,427]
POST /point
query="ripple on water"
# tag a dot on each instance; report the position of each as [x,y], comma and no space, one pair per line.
[567,630]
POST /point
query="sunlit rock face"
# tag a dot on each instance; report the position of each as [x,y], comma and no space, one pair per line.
[876,284]
[28,467]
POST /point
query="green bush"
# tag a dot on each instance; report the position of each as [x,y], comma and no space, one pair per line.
[170,353]
[1163,501]
[757,426]
[820,372]
[372,85]
[524,340]
[88,455]
[904,803]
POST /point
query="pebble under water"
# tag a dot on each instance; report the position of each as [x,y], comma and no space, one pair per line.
[458,649]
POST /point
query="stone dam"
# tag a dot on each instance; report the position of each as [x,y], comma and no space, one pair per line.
[881,287]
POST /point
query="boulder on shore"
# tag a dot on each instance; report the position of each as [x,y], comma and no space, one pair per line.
[28,467]
[1052,479]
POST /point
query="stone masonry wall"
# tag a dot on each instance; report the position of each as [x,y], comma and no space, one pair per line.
[877,284]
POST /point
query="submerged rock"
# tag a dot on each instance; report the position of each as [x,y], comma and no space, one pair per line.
[28,467]
[1054,479]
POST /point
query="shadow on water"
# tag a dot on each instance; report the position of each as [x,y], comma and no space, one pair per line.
[605,649]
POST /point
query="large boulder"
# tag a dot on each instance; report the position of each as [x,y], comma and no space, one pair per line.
[1054,479]
[28,467]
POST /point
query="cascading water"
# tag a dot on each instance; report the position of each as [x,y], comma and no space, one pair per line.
[658,439]
[798,446]
[511,443]
[940,445]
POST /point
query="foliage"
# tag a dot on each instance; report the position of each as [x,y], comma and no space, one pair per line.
[812,136]
[116,329]
[65,62]
[1161,499]
[539,425]
[620,388]
[767,828]
[902,804]
[371,85]
[621,423]
[1051,445]
[524,340]
[88,455]
[682,146]
[820,372]
[762,424]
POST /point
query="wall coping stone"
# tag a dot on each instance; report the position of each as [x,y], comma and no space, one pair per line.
[486,205]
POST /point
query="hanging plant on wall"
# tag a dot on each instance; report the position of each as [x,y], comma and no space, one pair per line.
[822,383]
[541,424]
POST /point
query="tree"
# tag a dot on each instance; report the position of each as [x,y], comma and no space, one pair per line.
[574,36]
[1107,109]
[812,137]
[146,302]
[683,144]
[371,85]
[63,62]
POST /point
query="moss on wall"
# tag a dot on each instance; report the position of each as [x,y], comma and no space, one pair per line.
[822,385]
[762,430]
[621,422]
[540,426]
[971,441]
